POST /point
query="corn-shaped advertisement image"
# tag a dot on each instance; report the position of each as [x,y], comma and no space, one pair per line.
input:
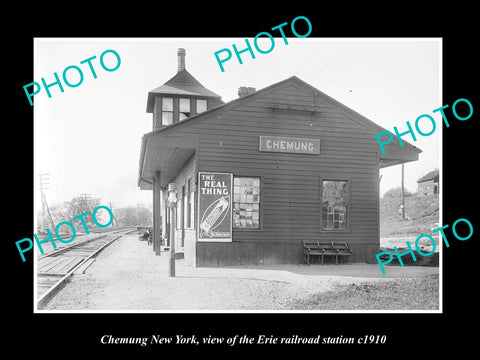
[214,215]
[215,206]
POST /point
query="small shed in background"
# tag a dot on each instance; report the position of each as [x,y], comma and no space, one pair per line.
[429,184]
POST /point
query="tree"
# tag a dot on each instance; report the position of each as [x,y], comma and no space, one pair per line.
[67,210]
[80,205]
[396,193]
[134,215]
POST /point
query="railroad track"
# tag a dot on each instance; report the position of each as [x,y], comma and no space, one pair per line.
[55,268]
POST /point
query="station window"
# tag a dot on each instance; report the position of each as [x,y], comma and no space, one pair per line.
[246,202]
[201,105]
[186,208]
[167,111]
[334,205]
[184,111]
[192,204]
[180,218]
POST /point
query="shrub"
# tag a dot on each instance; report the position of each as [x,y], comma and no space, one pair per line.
[397,193]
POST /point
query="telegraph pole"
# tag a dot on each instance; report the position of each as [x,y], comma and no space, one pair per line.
[43,186]
[114,218]
[86,197]
[43,182]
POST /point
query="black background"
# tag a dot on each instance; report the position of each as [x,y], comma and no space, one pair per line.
[408,335]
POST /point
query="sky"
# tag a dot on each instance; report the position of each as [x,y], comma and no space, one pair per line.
[88,137]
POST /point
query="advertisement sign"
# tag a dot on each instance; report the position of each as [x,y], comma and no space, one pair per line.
[214,206]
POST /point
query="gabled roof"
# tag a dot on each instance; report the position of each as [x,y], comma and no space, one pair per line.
[183,83]
[403,154]
[432,175]
[351,114]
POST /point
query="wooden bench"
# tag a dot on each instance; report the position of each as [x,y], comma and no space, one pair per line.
[322,248]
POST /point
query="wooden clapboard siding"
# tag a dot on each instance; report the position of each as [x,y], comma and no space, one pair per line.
[265,253]
[248,253]
[188,172]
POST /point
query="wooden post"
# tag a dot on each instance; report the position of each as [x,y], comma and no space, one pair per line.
[157,236]
[172,204]
[403,197]
[154,210]
[172,209]
[164,215]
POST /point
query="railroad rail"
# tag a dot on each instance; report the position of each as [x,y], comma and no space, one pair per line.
[56,267]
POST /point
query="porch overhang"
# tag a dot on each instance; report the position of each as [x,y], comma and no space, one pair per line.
[161,154]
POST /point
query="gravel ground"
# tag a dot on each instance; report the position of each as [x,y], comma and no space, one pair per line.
[128,276]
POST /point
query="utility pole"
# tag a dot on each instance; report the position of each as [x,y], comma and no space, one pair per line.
[86,197]
[114,218]
[43,182]
[42,178]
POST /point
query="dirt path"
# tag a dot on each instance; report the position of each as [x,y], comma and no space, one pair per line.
[128,276]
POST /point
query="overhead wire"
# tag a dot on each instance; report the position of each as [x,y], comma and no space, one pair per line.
[328,63]
[310,58]
[346,66]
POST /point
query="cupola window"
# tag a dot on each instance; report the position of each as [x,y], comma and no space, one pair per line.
[201,105]
[184,109]
[167,111]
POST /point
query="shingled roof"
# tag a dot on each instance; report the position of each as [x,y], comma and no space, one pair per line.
[183,83]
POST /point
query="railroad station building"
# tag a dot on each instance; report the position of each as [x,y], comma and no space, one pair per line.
[256,176]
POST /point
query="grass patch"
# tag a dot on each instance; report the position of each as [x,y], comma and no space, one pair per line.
[421,215]
[398,294]
[431,260]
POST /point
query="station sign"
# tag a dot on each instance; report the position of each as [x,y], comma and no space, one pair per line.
[289,145]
